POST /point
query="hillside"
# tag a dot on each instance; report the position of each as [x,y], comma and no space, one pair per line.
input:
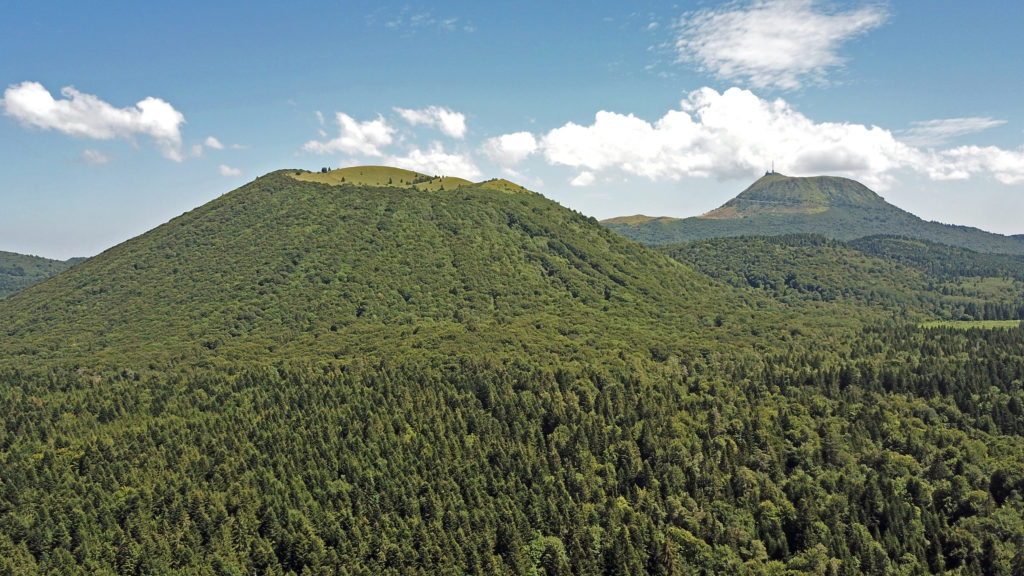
[874,277]
[338,377]
[830,206]
[287,266]
[19,271]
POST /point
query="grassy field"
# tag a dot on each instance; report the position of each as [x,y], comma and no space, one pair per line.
[967,324]
[382,176]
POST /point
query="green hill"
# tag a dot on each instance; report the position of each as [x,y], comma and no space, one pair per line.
[877,276]
[833,207]
[338,377]
[19,271]
[291,267]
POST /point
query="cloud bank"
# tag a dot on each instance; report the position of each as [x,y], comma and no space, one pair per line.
[737,135]
[86,116]
[771,43]
[730,135]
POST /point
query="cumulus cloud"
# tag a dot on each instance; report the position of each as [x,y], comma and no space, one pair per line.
[212,142]
[510,149]
[772,43]
[93,156]
[435,160]
[226,170]
[738,135]
[941,131]
[449,122]
[86,116]
[364,138]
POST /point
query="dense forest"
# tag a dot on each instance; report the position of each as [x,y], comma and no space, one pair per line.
[877,276]
[476,381]
[19,271]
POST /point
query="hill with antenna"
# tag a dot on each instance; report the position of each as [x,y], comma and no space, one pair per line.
[834,207]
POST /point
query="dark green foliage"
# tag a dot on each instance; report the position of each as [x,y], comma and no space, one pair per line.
[281,269]
[18,271]
[942,261]
[832,207]
[897,459]
[871,277]
[308,379]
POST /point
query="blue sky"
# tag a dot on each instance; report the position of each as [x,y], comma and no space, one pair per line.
[116,117]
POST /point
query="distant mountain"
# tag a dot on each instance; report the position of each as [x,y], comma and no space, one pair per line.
[834,207]
[19,271]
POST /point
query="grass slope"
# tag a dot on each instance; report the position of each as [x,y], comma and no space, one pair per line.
[833,207]
[382,176]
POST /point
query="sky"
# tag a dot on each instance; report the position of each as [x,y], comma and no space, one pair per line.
[116,117]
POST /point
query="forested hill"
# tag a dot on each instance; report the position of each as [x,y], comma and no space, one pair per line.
[19,271]
[830,206]
[874,277]
[288,266]
[376,372]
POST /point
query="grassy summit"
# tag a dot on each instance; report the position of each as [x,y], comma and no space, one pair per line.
[834,207]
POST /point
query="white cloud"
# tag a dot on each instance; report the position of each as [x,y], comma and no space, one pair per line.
[772,43]
[510,149]
[737,135]
[584,178]
[93,156]
[212,142]
[436,161]
[86,116]
[449,122]
[941,131]
[1006,166]
[363,138]
[226,170]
